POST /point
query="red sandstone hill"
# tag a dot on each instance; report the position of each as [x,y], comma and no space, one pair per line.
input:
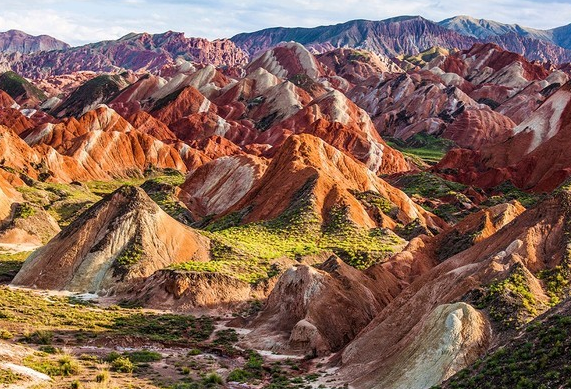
[307,166]
[397,347]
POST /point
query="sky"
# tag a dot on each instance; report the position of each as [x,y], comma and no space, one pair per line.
[83,21]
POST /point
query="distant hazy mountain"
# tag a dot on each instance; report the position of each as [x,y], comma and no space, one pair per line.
[405,34]
[413,34]
[18,41]
[483,28]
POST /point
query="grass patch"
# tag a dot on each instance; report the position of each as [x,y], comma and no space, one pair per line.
[58,315]
[428,185]
[62,366]
[102,188]
[510,301]
[251,252]
[8,377]
[507,191]
[426,148]
[144,356]
[63,201]
[130,255]
[17,86]
[10,264]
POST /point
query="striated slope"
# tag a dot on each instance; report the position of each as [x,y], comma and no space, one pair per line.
[478,128]
[339,122]
[452,336]
[424,253]
[514,362]
[8,196]
[216,186]
[409,103]
[96,155]
[122,239]
[356,65]
[287,60]
[522,157]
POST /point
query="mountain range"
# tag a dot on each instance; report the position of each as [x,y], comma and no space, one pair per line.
[413,34]
[38,57]
[358,208]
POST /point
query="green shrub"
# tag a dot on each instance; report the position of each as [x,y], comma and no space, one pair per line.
[39,337]
[122,365]
[102,377]
[68,366]
[4,334]
[130,256]
[49,349]
[213,378]
[8,377]
[144,356]
[239,375]
[24,211]
[112,356]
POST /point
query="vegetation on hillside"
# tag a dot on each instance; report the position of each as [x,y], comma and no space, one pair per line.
[538,359]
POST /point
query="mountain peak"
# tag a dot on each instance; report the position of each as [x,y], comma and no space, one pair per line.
[13,41]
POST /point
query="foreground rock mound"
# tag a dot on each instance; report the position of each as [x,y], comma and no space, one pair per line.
[183,291]
[452,336]
[302,314]
[122,239]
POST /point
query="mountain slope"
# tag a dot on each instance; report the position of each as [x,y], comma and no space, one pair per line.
[486,29]
[484,276]
[535,156]
[406,34]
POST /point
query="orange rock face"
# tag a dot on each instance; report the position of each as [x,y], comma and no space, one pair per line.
[339,122]
[330,179]
[147,124]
